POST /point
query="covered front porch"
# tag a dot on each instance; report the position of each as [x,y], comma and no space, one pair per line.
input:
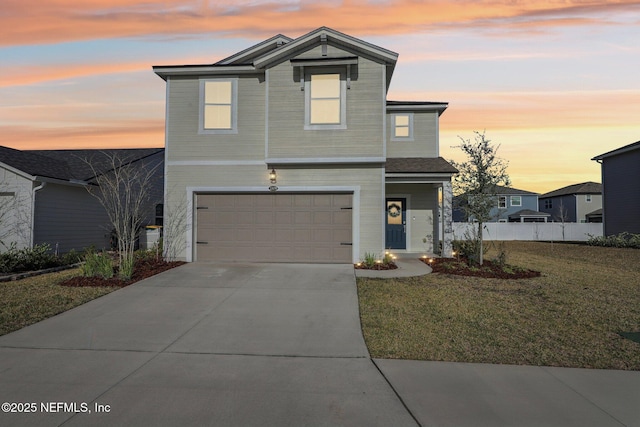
[418,206]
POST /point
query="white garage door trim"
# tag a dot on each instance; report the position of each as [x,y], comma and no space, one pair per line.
[190,212]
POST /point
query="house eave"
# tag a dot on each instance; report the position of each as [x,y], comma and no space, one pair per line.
[71,182]
[165,71]
[439,107]
[621,150]
[417,178]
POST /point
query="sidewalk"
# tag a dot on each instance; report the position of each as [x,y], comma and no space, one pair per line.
[409,265]
[447,394]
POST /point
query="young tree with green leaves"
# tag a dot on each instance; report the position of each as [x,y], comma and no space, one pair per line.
[477,181]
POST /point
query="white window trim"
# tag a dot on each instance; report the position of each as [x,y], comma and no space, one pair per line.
[500,198]
[514,197]
[234,108]
[587,198]
[307,99]
[393,127]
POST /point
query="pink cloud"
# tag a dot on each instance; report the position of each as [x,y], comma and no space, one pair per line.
[65,20]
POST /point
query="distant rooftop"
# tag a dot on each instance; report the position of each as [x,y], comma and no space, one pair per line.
[582,188]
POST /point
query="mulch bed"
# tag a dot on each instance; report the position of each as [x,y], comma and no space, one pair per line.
[379,267]
[142,270]
[489,269]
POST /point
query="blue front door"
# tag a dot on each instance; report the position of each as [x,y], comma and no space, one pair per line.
[396,223]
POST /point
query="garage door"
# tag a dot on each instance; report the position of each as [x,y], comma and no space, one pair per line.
[278,227]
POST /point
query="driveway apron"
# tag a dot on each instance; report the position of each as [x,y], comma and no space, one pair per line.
[204,344]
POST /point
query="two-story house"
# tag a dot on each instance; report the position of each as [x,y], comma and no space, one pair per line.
[621,189]
[573,203]
[290,151]
[512,205]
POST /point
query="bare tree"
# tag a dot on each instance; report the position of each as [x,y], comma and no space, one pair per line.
[477,182]
[563,217]
[124,190]
[15,214]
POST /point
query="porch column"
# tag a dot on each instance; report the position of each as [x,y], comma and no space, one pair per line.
[447,219]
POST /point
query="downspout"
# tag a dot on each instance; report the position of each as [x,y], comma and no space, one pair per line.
[33,211]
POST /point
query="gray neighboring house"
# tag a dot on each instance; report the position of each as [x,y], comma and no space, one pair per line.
[573,203]
[512,205]
[621,189]
[290,151]
[44,197]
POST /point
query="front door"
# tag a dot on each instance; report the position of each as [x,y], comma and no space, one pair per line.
[396,223]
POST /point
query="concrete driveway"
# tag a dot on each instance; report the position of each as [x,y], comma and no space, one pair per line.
[271,345]
[204,344]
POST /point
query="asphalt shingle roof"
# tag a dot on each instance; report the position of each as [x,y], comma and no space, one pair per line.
[582,188]
[69,164]
[419,165]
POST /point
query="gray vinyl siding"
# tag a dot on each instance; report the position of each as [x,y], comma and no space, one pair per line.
[560,203]
[70,218]
[620,178]
[425,136]
[364,114]
[183,123]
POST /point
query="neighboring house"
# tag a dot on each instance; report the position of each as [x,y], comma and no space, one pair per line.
[572,203]
[621,189]
[44,197]
[290,151]
[512,205]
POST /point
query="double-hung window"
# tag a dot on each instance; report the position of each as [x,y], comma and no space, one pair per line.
[516,200]
[402,127]
[218,106]
[325,99]
[502,202]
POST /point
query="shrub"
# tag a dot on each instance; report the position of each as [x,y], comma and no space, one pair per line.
[127,264]
[97,265]
[622,240]
[37,258]
[469,249]
[388,259]
[501,258]
[369,259]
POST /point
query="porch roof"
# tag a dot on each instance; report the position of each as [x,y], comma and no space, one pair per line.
[418,165]
[528,213]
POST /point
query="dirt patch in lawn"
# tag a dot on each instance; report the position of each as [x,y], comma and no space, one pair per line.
[488,269]
[142,270]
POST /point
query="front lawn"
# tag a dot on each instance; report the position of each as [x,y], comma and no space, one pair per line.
[571,316]
[27,301]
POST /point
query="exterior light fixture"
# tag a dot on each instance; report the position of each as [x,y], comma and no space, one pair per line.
[273,176]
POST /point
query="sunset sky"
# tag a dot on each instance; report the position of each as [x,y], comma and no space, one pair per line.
[553,82]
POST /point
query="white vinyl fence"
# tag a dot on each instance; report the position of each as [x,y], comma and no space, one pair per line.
[546,231]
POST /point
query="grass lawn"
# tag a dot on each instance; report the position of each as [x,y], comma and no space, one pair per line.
[30,300]
[571,316]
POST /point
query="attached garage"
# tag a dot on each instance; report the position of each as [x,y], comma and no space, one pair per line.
[274,227]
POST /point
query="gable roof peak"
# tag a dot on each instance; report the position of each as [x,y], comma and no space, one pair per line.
[332,36]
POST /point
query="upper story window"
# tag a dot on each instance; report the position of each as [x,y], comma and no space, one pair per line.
[402,127]
[587,198]
[325,107]
[218,106]
[516,200]
[548,204]
[502,202]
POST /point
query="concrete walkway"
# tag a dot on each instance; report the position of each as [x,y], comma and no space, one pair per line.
[270,345]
